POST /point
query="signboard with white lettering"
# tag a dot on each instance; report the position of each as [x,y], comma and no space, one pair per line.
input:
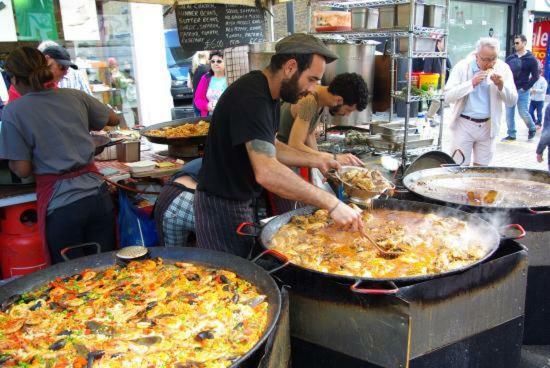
[218,26]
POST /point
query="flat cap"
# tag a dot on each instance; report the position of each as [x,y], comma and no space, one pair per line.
[301,43]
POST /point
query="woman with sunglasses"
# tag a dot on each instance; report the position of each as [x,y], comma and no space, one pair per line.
[212,85]
[46,133]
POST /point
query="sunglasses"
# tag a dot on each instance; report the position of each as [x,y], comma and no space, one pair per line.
[216,61]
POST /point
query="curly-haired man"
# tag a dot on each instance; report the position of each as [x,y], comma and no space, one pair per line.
[346,93]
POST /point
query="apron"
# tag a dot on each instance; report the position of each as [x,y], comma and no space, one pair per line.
[45,184]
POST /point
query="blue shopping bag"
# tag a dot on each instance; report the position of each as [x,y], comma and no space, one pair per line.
[136,227]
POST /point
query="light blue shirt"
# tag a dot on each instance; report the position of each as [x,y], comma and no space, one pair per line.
[478,104]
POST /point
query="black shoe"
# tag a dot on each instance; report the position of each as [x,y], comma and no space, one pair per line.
[508,138]
[531,134]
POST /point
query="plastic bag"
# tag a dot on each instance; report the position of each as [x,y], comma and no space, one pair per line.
[136,227]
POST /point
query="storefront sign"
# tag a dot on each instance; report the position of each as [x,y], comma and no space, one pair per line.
[35,20]
[7,24]
[541,32]
[217,26]
[79,20]
[541,35]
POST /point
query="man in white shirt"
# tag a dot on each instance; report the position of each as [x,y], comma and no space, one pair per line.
[478,86]
[3,91]
[538,95]
[72,78]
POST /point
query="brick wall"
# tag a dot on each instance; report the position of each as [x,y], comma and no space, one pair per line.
[300,18]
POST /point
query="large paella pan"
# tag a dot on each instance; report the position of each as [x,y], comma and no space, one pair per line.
[483,187]
[422,241]
[185,308]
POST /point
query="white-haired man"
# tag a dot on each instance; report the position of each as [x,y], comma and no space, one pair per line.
[478,86]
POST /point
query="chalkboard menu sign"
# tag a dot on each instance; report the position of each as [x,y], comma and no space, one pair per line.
[218,26]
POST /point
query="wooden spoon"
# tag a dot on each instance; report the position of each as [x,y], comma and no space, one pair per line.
[381,251]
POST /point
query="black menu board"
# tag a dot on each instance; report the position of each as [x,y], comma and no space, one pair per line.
[218,26]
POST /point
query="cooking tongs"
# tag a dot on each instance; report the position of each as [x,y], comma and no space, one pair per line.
[381,251]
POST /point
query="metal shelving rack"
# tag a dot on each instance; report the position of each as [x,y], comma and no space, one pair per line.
[411,33]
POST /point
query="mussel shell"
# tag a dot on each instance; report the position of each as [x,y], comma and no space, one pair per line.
[59,344]
[9,302]
[147,340]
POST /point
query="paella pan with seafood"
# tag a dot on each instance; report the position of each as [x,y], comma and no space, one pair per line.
[146,314]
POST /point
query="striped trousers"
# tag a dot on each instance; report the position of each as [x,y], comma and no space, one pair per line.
[216,222]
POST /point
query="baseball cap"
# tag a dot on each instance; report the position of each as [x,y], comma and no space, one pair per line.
[301,43]
[60,55]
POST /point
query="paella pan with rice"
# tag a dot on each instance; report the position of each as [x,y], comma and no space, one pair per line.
[182,131]
[148,313]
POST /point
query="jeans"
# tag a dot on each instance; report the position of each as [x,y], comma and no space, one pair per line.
[536,106]
[523,110]
[88,220]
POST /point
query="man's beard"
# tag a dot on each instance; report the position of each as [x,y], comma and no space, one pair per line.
[335,110]
[290,89]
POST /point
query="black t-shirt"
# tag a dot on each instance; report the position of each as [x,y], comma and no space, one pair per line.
[244,112]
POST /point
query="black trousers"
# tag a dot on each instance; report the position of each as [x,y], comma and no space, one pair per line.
[88,220]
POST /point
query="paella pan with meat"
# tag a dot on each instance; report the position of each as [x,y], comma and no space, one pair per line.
[401,243]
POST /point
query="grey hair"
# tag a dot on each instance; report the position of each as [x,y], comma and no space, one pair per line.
[488,42]
[44,45]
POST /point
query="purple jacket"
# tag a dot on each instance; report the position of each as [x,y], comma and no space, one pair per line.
[201,102]
[545,136]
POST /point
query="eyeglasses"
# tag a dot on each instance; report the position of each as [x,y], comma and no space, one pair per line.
[219,61]
[487,60]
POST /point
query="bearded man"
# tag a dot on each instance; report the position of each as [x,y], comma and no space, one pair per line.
[346,93]
[242,154]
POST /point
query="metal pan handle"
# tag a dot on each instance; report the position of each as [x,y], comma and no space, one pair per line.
[275,254]
[535,212]
[458,150]
[66,249]
[518,227]
[356,289]
[240,229]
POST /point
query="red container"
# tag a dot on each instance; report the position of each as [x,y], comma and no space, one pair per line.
[19,219]
[21,254]
[21,250]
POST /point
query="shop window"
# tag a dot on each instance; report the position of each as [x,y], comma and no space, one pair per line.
[109,62]
[469,21]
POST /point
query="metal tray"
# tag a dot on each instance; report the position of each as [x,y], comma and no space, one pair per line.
[376,142]
[392,129]
[399,138]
